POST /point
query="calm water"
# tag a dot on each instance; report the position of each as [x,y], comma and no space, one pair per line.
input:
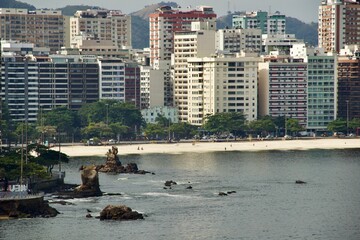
[267,203]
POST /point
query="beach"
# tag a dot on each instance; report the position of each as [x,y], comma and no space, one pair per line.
[198,147]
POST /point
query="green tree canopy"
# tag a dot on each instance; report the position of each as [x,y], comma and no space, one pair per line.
[338,125]
[227,122]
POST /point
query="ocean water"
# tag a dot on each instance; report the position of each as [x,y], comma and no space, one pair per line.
[267,203]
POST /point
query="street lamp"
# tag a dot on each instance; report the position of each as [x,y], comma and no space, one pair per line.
[347,117]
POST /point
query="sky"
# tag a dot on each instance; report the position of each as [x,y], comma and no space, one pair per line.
[304,10]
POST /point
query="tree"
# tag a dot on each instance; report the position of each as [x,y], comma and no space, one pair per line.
[354,124]
[293,125]
[65,120]
[97,130]
[183,130]
[338,125]
[48,157]
[227,122]
[154,131]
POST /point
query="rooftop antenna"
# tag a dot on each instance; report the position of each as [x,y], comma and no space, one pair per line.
[269,10]
[228,7]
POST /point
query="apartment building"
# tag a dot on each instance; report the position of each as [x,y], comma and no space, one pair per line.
[156,88]
[339,23]
[348,73]
[268,23]
[112,79]
[283,88]
[44,28]
[20,87]
[237,40]
[322,90]
[101,24]
[166,21]
[188,45]
[132,83]
[222,84]
[281,43]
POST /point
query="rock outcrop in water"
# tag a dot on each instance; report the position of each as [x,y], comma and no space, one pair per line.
[113,164]
[27,208]
[120,212]
[90,182]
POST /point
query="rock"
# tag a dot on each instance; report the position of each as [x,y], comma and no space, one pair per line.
[231,192]
[120,212]
[170,183]
[300,182]
[27,208]
[114,166]
[222,194]
[189,187]
[90,186]
[88,215]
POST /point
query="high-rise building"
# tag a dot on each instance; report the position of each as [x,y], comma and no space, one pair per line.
[348,99]
[132,83]
[102,25]
[188,45]
[322,90]
[156,88]
[166,21]
[237,40]
[283,89]
[268,23]
[44,28]
[112,79]
[222,84]
[339,23]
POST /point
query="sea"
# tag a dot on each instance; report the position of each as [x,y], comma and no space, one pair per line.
[265,202]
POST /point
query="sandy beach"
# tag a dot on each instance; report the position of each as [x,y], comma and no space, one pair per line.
[178,148]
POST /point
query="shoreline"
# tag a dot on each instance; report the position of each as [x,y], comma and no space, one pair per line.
[201,147]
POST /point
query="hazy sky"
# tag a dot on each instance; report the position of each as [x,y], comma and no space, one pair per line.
[305,10]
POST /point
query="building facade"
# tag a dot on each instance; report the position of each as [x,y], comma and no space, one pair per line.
[339,23]
[348,100]
[222,84]
[112,79]
[107,25]
[237,40]
[322,91]
[44,28]
[283,89]
[267,23]
[166,21]
[188,45]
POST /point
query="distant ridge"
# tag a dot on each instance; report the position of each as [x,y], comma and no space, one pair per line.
[15,4]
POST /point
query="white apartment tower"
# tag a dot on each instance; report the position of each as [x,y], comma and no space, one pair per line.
[188,45]
[222,84]
[112,79]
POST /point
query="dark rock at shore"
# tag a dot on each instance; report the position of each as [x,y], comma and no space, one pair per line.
[27,208]
[300,182]
[120,212]
[222,194]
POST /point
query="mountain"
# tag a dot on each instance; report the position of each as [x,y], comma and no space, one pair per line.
[15,4]
[70,10]
[144,13]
